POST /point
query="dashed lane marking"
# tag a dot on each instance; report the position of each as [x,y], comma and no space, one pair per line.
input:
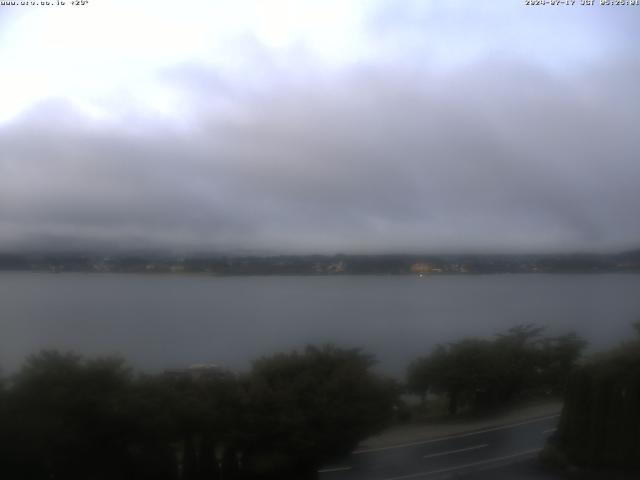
[466,465]
[459,450]
[334,469]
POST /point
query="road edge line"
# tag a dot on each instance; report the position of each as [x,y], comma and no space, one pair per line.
[453,436]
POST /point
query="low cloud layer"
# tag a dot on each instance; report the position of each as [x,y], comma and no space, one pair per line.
[393,153]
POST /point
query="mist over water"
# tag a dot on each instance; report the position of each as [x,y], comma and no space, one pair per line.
[165,321]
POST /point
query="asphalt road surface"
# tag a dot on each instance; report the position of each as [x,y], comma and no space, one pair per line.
[503,452]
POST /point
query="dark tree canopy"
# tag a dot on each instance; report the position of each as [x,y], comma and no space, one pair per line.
[600,423]
[481,374]
[67,417]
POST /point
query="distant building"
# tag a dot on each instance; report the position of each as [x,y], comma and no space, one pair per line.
[422,268]
[336,267]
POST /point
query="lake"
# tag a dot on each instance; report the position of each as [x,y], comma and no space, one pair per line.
[168,321]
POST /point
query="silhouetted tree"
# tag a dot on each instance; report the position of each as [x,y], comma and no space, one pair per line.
[65,417]
[307,408]
[462,370]
[482,374]
[600,422]
[558,357]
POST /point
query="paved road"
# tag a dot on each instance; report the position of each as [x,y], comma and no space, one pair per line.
[501,452]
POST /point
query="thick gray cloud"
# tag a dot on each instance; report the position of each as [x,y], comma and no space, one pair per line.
[495,153]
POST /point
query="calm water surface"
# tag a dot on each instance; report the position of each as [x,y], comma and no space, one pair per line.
[168,321]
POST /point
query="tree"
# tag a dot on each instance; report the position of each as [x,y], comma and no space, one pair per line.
[482,374]
[308,408]
[600,421]
[558,356]
[518,359]
[67,419]
[461,370]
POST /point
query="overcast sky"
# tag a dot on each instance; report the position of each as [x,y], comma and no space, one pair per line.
[320,126]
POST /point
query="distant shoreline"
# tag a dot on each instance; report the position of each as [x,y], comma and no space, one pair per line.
[323,265]
[317,275]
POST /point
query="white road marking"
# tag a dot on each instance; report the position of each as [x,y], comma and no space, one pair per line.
[451,452]
[467,465]
[450,437]
[335,469]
